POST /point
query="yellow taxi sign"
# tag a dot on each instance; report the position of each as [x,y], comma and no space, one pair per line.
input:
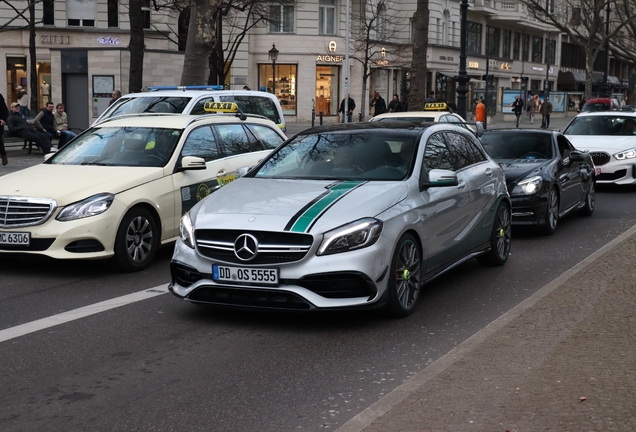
[220,107]
[436,106]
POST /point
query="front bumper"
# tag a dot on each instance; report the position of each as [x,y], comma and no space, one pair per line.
[529,209]
[617,172]
[355,279]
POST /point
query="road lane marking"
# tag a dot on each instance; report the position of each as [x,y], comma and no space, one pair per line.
[75,314]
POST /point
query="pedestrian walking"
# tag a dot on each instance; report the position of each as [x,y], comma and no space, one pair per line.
[546,110]
[517,108]
[480,112]
[431,97]
[396,105]
[351,105]
[378,105]
[530,109]
[4,113]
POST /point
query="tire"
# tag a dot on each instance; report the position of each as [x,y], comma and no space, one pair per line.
[500,238]
[590,199]
[404,277]
[552,213]
[137,240]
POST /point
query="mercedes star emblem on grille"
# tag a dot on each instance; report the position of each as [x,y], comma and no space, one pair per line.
[246,247]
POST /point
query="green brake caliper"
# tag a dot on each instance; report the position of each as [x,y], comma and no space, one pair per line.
[405,275]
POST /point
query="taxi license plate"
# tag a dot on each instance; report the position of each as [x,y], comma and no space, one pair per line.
[257,276]
[15,238]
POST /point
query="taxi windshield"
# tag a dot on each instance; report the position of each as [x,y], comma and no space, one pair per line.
[127,146]
[361,154]
[148,104]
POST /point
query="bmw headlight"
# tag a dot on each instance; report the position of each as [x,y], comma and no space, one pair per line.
[92,206]
[528,186]
[186,231]
[355,235]
[625,154]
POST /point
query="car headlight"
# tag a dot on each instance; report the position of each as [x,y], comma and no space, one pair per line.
[92,206]
[355,235]
[186,231]
[528,186]
[625,154]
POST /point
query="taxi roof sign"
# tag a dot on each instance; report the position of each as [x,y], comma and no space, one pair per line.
[436,106]
[220,107]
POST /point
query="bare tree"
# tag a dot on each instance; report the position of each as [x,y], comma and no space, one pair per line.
[201,41]
[419,69]
[375,33]
[583,21]
[136,46]
[623,47]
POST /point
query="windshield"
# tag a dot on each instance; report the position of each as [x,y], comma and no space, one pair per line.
[130,146]
[259,105]
[361,154]
[147,104]
[417,120]
[517,145]
[602,125]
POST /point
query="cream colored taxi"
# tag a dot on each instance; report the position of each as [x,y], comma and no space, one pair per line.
[120,188]
[437,112]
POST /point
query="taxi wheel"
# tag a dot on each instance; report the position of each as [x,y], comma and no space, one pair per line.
[137,240]
[499,238]
[404,277]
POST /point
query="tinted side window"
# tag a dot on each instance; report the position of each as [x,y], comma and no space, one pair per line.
[437,155]
[201,143]
[255,105]
[268,137]
[235,140]
[564,147]
[197,109]
[464,152]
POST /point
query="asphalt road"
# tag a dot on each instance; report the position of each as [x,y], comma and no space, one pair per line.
[160,364]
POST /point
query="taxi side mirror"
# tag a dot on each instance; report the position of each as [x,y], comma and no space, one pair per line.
[192,163]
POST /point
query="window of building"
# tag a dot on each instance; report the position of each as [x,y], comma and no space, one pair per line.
[113,13]
[551,51]
[537,49]
[492,41]
[506,43]
[80,13]
[327,17]
[146,10]
[282,83]
[445,28]
[516,45]
[48,12]
[473,45]
[380,22]
[281,18]
[525,48]
[327,90]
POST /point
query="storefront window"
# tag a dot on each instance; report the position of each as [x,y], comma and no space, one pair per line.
[282,84]
[327,90]
[44,80]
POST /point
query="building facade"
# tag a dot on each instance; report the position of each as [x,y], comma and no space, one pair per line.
[82,55]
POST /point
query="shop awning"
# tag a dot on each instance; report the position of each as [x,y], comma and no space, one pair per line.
[566,78]
[614,80]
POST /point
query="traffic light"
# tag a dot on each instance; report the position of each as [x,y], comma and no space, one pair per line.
[490,79]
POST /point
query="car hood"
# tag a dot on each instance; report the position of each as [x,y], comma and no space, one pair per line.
[69,183]
[516,170]
[295,205]
[602,143]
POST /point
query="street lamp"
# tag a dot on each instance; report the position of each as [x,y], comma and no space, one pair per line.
[273,56]
[546,87]
[463,78]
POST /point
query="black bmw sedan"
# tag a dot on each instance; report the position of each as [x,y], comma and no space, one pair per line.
[547,177]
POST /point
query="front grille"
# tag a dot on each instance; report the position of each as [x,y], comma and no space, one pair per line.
[16,212]
[267,299]
[612,176]
[600,158]
[273,247]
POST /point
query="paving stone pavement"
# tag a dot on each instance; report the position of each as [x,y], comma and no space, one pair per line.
[566,362]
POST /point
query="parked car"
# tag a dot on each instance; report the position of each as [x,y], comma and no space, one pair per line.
[547,177]
[610,139]
[192,100]
[119,189]
[628,108]
[346,216]
[433,113]
[601,104]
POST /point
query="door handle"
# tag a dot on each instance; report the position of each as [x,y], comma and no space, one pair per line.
[461,184]
[221,172]
[489,172]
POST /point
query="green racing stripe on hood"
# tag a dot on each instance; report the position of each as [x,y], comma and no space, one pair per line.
[306,220]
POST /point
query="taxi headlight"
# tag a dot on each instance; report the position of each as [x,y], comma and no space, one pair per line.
[625,154]
[355,235]
[186,231]
[92,206]
[528,186]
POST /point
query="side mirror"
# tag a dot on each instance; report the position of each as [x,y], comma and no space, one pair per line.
[440,178]
[49,155]
[192,163]
[576,156]
[479,129]
[242,171]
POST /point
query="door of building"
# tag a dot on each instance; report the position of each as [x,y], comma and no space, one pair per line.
[75,99]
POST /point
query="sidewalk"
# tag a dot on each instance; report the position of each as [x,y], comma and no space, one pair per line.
[562,360]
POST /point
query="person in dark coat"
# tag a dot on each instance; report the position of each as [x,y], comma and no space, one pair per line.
[4,113]
[20,127]
[396,105]
[517,108]
[351,105]
[431,97]
[45,121]
[378,104]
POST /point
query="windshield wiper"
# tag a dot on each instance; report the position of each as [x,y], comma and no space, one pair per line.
[95,163]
